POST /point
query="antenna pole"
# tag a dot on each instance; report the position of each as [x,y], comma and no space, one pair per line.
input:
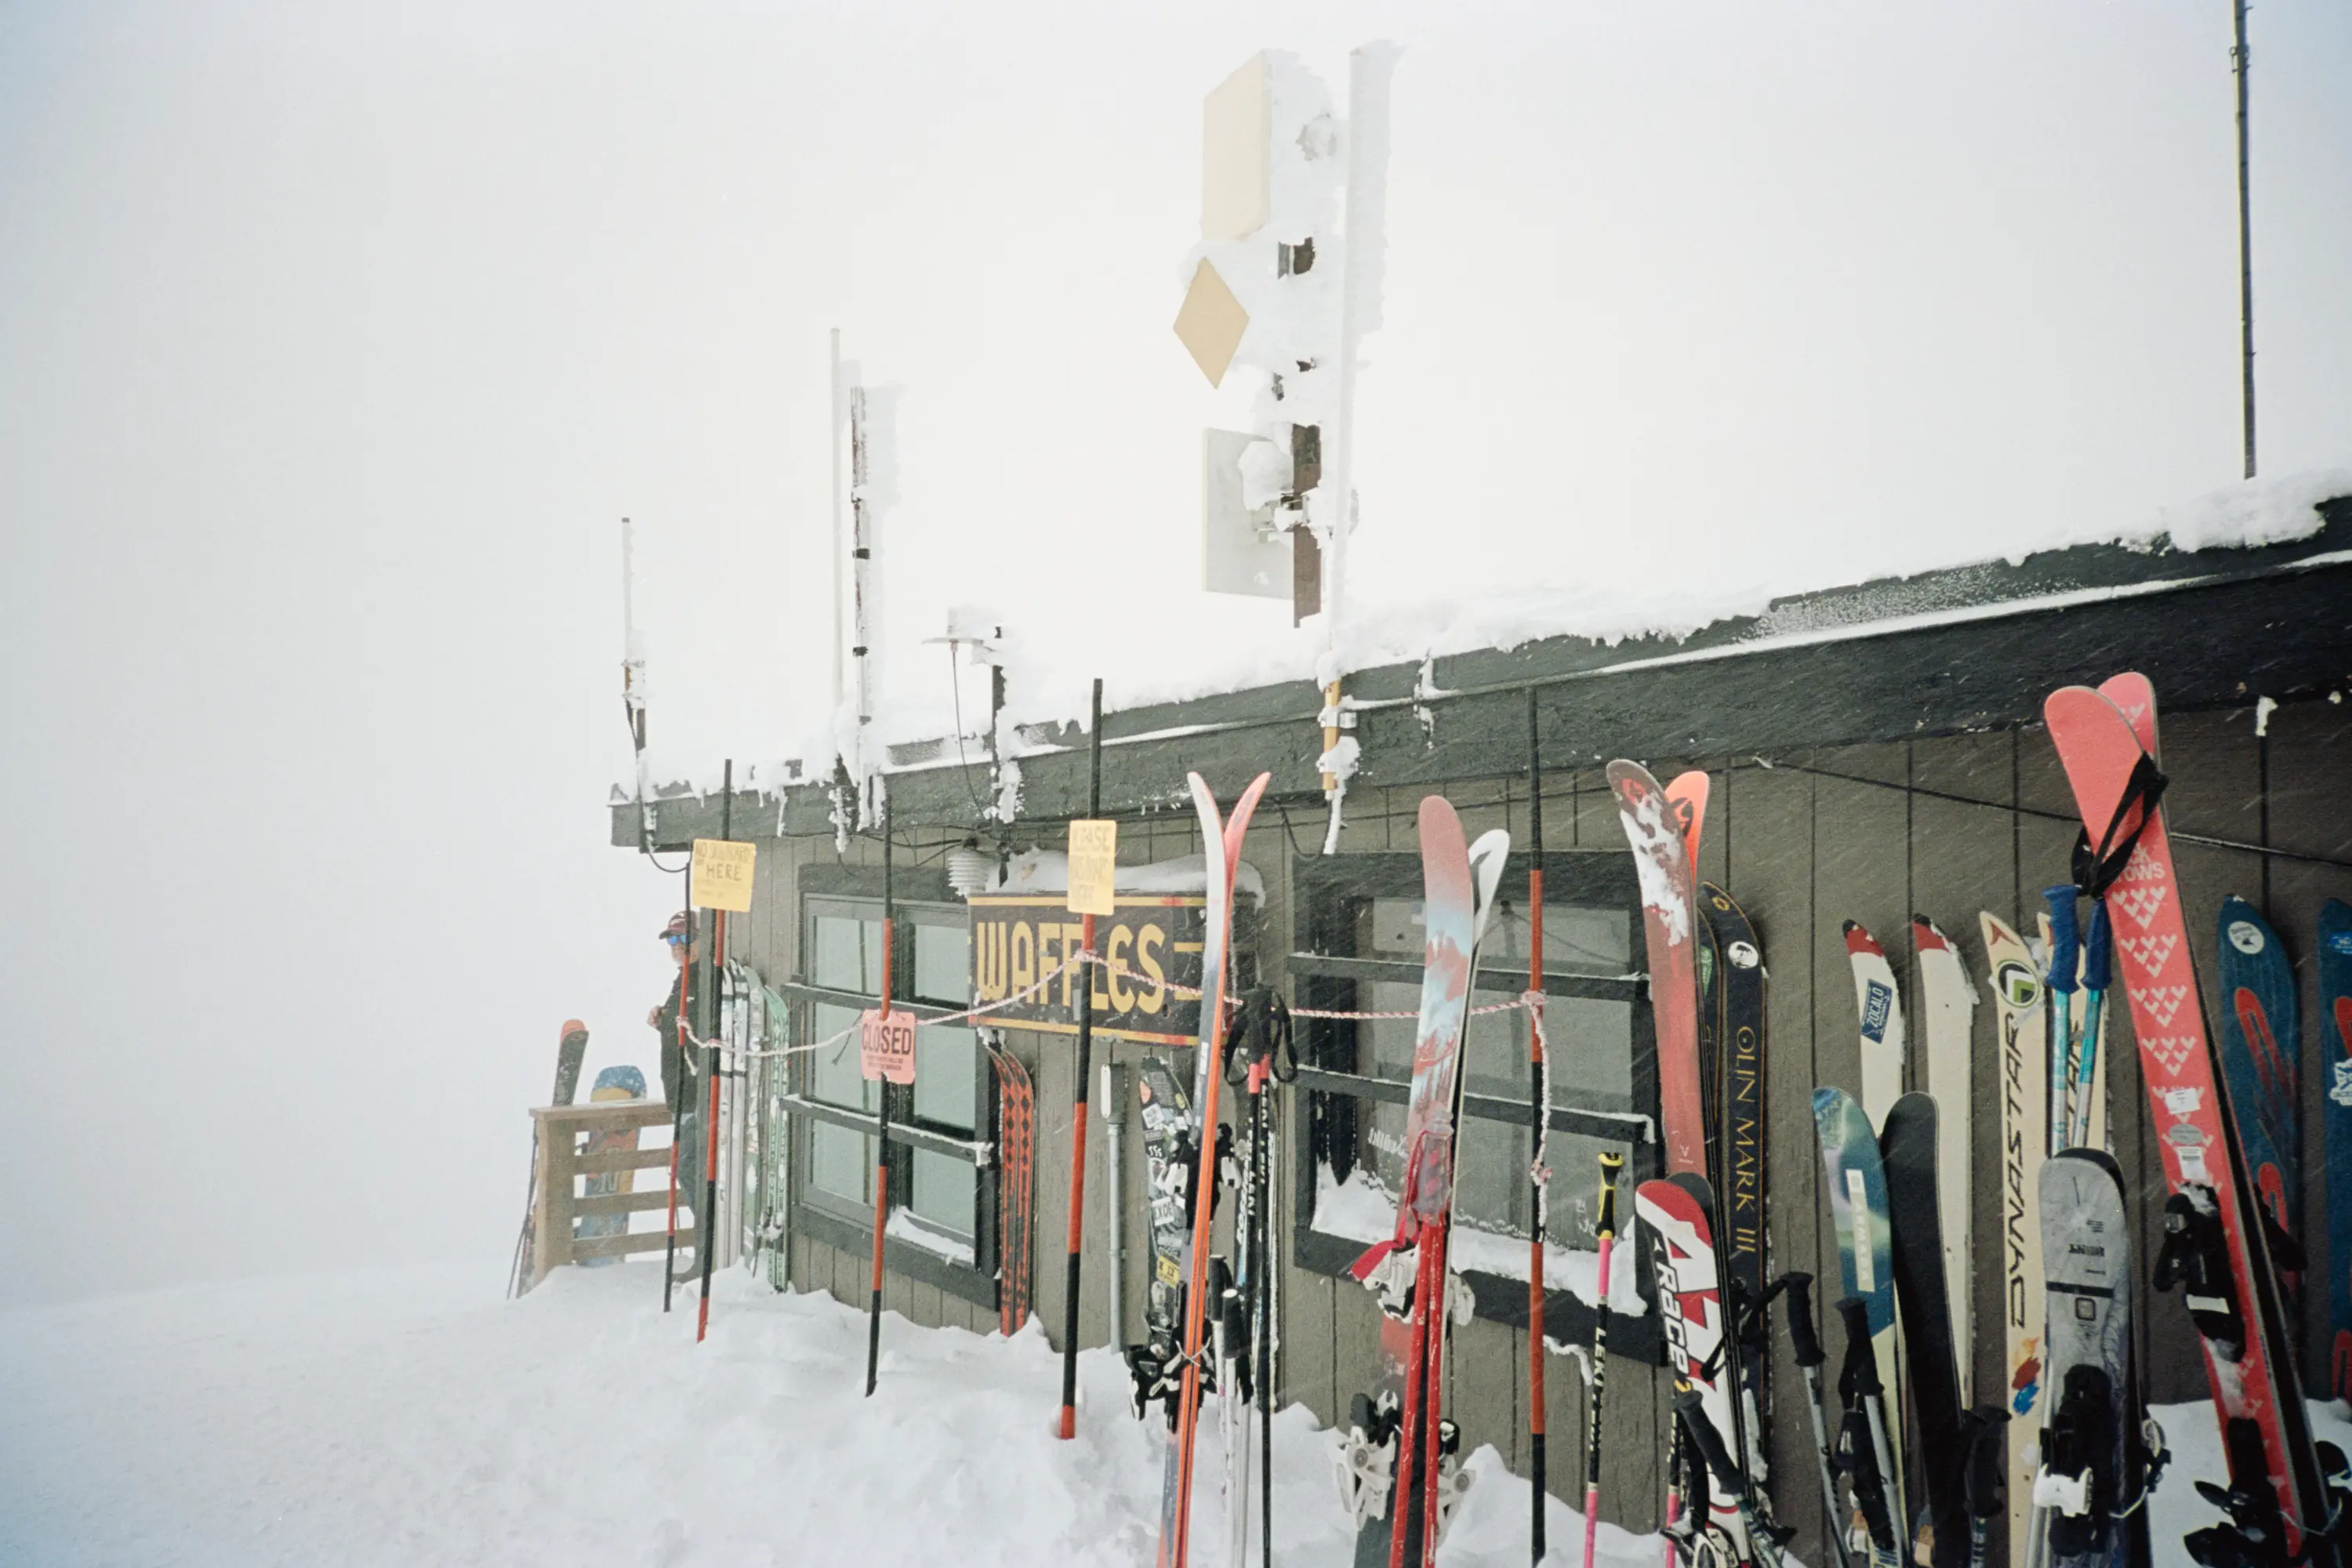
[833,444]
[2239,61]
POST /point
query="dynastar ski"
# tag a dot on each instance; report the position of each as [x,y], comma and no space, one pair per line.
[2087,1482]
[1221,846]
[2336,1119]
[2024,1125]
[2213,1246]
[1909,1148]
[1947,1004]
[2261,1058]
[1858,1210]
[1880,1008]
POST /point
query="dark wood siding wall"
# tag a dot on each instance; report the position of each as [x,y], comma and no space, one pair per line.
[1943,826]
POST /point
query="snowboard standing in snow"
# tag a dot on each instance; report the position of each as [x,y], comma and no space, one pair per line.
[2262,1058]
[2024,1125]
[2336,1119]
[1222,851]
[612,1083]
[2214,1245]
[571,1050]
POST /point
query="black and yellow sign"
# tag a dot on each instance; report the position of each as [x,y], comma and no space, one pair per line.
[1150,941]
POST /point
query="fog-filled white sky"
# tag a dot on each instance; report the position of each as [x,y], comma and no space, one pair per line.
[335,340]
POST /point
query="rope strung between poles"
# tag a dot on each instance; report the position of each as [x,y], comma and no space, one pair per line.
[1530,1001]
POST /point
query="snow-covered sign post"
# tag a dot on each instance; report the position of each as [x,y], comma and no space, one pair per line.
[1280,285]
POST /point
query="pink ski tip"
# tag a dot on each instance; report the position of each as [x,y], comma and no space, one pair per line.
[1858,939]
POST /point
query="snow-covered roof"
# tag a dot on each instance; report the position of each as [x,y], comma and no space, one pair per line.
[2243,594]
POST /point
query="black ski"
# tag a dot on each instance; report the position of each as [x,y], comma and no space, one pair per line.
[1908,1146]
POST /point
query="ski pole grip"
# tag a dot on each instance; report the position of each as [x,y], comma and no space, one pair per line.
[1860,1370]
[1801,1321]
[2097,949]
[1691,1406]
[2065,942]
[1611,1162]
[1982,1481]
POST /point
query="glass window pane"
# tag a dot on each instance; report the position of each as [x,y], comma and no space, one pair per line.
[1577,940]
[841,1162]
[946,1189]
[947,1077]
[943,963]
[833,1073]
[847,953]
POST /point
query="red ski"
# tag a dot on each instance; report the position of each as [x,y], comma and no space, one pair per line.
[2212,1245]
[1663,832]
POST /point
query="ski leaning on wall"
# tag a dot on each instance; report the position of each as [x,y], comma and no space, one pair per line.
[1947,1004]
[2214,1245]
[1398,1474]
[2017,989]
[1222,850]
[1739,999]
[1880,1007]
[1869,1443]
[2261,1058]
[2336,1119]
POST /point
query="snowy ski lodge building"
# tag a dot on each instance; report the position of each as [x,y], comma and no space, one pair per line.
[1875,752]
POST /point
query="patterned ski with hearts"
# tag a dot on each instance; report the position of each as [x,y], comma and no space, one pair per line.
[2215,1248]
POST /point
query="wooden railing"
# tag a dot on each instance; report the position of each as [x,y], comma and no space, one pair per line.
[564,1134]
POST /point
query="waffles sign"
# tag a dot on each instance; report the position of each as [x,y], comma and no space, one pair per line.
[1150,944]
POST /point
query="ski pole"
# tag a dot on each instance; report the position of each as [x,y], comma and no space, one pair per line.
[2097,958]
[709,1216]
[678,1100]
[1858,1380]
[1982,1478]
[1611,1163]
[1810,1356]
[2065,954]
[881,1127]
[1536,1172]
[1081,1087]
[1690,1407]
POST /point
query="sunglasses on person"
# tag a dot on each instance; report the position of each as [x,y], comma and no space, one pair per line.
[675,939]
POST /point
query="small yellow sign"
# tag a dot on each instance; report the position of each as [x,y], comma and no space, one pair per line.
[1094,866]
[722,874]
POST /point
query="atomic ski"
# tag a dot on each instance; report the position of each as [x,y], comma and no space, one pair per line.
[2213,1245]
[1909,1148]
[1221,845]
[2261,1058]
[2335,1119]
[2087,1482]
[1717,1518]
[2024,1125]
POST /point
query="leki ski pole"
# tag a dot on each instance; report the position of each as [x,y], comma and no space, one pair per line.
[1810,1356]
[2097,959]
[2065,958]
[1611,1163]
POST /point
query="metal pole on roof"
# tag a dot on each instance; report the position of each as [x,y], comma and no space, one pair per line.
[2239,61]
[833,443]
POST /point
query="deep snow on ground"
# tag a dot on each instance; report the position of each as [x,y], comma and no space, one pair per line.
[412,1417]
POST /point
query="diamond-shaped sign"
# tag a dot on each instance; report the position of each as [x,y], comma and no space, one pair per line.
[1211,322]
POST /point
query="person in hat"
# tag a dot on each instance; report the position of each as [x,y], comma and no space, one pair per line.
[681,1077]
